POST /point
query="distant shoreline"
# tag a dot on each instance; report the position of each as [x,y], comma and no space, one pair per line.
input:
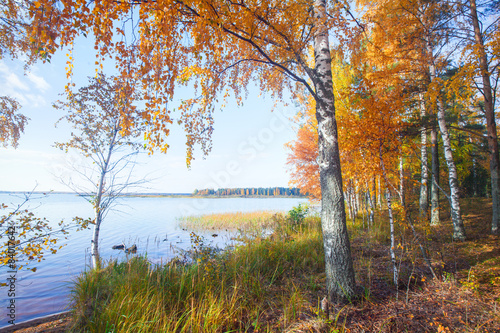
[165,195]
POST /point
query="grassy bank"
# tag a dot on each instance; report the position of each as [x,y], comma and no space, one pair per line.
[275,284]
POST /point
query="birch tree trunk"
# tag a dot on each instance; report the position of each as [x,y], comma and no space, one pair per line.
[388,197]
[402,181]
[349,203]
[456,218]
[354,201]
[370,200]
[339,268]
[435,177]
[489,111]
[395,271]
[98,209]
[379,194]
[424,175]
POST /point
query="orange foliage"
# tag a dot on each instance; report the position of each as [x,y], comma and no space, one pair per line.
[370,121]
[302,157]
[215,47]
[11,122]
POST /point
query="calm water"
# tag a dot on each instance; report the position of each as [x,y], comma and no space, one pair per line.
[151,223]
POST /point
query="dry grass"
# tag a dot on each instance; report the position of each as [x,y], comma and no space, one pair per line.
[275,284]
[221,221]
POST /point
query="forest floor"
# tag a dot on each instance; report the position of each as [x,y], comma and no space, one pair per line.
[464,296]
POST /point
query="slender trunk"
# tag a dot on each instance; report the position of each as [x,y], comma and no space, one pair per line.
[353,212]
[348,201]
[363,209]
[456,218]
[340,279]
[94,252]
[388,197]
[435,177]
[458,226]
[489,111]
[424,175]
[351,206]
[395,272]
[402,181]
[98,209]
[474,177]
[355,202]
[374,198]
[371,205]
[474,172]
[379,197]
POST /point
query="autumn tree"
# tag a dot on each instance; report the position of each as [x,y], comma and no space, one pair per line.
[100,112]
[219,47]
[479,32]
[14,42]
[303,154]
[12,123]
[408,37]
[26,239]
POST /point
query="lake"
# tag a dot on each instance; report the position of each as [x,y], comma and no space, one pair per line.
[149,222]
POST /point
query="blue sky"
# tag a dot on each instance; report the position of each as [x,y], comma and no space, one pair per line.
[248,141]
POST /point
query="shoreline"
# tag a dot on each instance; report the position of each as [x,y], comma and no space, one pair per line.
[35,322]
[165,195]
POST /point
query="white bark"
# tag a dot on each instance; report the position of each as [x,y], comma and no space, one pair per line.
[391,221]
[458,226]
[379,194]
[98,207]
[339,269]
[424,176]
[372,208]
[402,181]
[435,178]
[395,271]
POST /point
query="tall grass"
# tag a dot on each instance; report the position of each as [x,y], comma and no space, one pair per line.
[234,220]
[276,283]
[259,284]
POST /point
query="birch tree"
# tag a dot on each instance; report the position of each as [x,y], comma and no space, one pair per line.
[219,47]
[409,37]
[435,176]
[99,114]
[481,36]
[424,201]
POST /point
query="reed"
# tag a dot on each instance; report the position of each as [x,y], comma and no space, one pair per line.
[230,221]
[262,284]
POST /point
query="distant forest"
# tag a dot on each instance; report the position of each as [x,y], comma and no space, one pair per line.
[260,191]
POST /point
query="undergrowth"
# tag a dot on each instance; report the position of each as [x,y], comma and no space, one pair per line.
[276,284]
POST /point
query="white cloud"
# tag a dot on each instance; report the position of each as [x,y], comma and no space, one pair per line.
[39,82]
[14,83]
[28,90]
